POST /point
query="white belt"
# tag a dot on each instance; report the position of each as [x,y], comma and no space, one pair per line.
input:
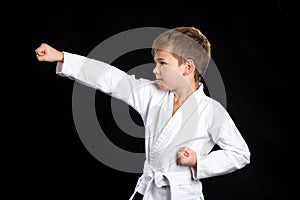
[171,179]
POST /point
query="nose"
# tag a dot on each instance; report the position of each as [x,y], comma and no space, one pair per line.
[156,69]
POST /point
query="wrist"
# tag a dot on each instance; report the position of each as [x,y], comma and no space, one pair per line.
[194,163]
[61,59]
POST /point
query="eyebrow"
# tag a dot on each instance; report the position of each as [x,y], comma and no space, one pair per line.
[159,59]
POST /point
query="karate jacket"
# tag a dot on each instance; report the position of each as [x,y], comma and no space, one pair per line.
[200,123]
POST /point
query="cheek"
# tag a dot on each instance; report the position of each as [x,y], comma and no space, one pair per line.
[169,73]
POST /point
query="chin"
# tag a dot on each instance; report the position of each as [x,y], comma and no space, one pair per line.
[162,86]
[165,88]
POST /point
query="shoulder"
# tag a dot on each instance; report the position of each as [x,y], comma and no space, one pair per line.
[215,111]
[149,88]
[209,102]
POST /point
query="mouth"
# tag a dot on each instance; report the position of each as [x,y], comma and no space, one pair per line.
[159,81]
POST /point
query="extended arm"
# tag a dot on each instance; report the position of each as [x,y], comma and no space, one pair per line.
[99,75]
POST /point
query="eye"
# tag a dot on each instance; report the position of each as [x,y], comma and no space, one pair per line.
[162,63]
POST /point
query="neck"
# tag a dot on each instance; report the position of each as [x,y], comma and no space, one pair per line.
[181,94]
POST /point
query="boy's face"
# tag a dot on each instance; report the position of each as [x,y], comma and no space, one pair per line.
[168,72]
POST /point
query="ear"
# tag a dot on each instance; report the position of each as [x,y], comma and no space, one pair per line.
[189,67]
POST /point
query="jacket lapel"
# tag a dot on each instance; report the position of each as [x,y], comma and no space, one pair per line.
[178,131]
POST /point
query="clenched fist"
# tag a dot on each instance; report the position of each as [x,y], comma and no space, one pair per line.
[49,54]
[186,156]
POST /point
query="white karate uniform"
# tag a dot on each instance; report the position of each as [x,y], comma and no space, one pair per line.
[199,124]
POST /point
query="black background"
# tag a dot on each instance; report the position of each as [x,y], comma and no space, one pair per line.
[251,43]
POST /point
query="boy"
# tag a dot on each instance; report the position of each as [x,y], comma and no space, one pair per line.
[181,123]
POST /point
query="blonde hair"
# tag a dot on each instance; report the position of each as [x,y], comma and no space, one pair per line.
[186,43]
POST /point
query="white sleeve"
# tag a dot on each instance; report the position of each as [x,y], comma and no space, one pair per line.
[233,154]
[108,79]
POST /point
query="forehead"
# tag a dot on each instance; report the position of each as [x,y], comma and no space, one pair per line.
[163,54]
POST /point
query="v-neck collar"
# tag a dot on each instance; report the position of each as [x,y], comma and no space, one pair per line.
[197,92]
